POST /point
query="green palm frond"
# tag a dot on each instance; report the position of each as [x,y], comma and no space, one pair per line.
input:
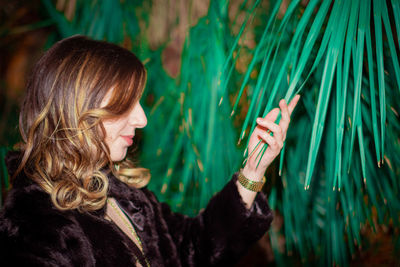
[107,19]
[197,147]
[346,20]
[331,48]
[4,179]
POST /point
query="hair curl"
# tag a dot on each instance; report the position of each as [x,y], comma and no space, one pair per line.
[61,120]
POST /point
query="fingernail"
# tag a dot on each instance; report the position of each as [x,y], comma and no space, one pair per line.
[258,120]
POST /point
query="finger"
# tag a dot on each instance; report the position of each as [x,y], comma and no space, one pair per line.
[273,127]
[272,142]
[285,119]
[284,109]
[293,103]
[272,115]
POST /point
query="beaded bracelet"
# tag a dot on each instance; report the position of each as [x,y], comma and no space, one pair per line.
[250,184]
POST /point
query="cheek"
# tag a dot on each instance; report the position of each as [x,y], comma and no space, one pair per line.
[112,129]
[109,133]
[116,145]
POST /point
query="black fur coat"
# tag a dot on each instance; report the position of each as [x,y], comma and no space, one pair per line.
[34,233]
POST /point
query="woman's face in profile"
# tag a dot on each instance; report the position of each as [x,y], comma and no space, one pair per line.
[120,131]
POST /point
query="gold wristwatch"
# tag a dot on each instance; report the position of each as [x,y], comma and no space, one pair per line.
[250,184]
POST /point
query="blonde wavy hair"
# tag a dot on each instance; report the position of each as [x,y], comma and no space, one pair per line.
[64,149]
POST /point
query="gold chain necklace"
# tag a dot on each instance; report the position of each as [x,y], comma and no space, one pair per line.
[130,227]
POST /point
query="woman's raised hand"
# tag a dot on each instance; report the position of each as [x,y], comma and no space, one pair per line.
[255,168]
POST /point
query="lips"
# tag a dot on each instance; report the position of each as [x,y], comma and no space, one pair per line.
[128,139]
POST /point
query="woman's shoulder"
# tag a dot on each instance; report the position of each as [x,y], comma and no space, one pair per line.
[24,197]
[27,207]
[34,232]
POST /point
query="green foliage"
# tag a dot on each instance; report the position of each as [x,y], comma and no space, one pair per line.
[195,145]
[339,94]
[106,19]
[4,179]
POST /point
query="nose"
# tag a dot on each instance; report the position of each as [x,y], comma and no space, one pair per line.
[137,117]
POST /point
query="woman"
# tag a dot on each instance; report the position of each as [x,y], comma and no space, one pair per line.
[76,202]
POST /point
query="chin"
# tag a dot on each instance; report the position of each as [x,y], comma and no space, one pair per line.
[118,156]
